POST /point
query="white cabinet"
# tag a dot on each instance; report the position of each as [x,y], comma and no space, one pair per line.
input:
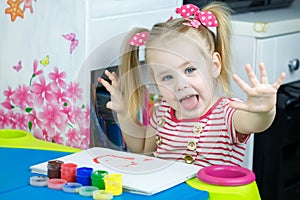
[272,37]
[107,19]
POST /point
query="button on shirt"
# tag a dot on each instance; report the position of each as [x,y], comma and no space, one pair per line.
[207,140]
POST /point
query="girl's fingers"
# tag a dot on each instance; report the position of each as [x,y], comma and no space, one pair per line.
[279,81]
[113,77]
[107,85]
[242,84]
[251,76]
[115,103]
[263,74]
[109,105]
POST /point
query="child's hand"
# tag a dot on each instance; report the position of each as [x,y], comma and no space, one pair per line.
[116,103]
[261,96]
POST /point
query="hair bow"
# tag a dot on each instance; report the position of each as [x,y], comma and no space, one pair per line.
[190,12]
[139,39]
[204,17]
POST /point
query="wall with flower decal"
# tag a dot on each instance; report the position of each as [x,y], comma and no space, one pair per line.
[49,48]
[41,54]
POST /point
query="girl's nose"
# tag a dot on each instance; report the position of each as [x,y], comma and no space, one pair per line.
[182,88]
[181,84]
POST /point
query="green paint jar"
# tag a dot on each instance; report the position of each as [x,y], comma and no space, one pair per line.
[98,179]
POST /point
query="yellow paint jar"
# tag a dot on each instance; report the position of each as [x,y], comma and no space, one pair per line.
[113,184]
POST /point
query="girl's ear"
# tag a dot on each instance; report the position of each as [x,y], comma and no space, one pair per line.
[216,61]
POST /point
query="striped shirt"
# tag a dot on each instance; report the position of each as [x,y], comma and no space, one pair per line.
[208,140]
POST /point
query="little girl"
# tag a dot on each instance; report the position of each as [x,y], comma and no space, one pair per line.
[190,63]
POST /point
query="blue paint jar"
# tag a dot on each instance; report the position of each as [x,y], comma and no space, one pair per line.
[83,176]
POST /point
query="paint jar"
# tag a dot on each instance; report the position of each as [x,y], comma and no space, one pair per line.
[87,190]
[102,195]
[98,179]
[83,176]
[113,183]
[68,172]
[54,168]
[56,183]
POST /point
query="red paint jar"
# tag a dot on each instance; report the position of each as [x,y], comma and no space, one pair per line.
[68,172]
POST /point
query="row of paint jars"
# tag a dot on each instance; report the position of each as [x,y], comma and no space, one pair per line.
[86,176]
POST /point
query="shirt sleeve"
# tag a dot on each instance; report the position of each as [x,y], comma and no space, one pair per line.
[154,118]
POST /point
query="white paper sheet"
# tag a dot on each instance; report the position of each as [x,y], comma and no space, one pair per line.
[141,174]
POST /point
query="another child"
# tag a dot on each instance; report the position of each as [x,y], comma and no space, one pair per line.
[190,64]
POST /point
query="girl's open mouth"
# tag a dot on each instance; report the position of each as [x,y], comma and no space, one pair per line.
[189,102]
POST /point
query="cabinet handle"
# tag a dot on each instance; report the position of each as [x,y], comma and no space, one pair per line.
[294,64]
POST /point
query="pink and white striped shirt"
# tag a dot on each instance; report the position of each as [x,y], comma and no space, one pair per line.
[208,140]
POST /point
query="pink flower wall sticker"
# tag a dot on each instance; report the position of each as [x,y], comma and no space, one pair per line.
[42,91]
[74,42]
[18,67]
[57,78]
[48,107]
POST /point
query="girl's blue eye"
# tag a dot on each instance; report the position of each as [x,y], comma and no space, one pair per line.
[189,70]
[167,77]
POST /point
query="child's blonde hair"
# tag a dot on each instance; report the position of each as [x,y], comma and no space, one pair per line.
[130,83]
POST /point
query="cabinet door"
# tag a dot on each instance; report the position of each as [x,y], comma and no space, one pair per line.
[243,52]
[277,53]
[107,19]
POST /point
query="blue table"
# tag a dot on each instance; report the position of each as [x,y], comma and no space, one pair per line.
[15,175]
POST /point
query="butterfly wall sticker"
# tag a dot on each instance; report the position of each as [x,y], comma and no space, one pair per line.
[74,42]
[18,67]
[45,62]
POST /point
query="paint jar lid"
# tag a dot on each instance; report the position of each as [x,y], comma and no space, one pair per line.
[99,174]
[84,171]
[87,190]
[39,180]
[102,195]
[54,164]
[68,166]
[71,187]
[56,183]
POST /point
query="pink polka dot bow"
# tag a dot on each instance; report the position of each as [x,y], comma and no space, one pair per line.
[191,13]
[204,17]
[139,39]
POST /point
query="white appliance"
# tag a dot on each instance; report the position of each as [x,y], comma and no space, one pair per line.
[271,36]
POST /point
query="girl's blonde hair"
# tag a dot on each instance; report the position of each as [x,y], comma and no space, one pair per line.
[131,85]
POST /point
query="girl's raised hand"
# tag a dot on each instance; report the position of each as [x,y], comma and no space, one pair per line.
[261,96]
[116,103]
